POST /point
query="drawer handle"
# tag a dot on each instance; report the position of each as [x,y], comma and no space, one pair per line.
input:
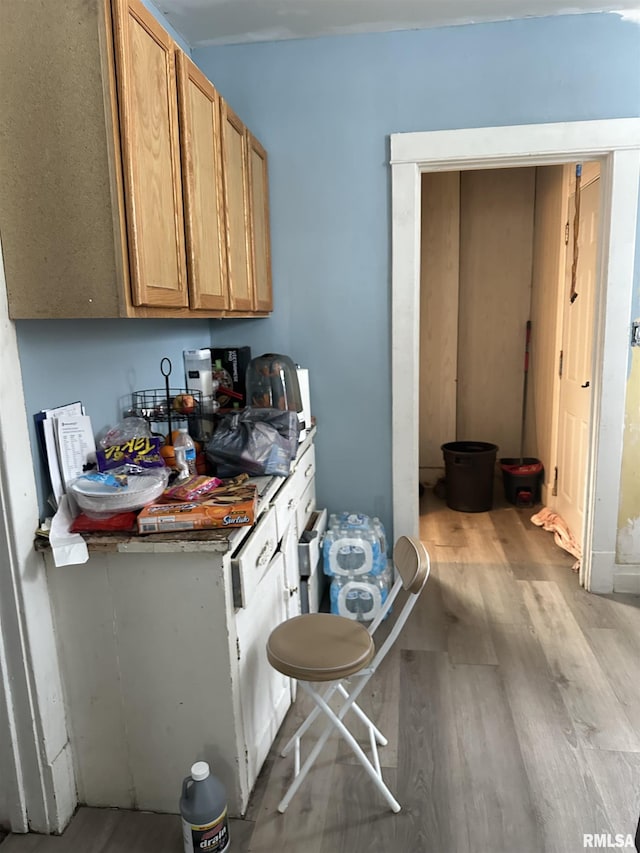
[291,503]
[308,470]
[309,506]
[293,591]
[265,553]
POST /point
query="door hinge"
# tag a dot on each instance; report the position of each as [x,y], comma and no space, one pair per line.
[238,648]
[554,491]
[560,361]
[566,234]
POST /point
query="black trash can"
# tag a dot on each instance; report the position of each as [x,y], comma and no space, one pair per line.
[469,471]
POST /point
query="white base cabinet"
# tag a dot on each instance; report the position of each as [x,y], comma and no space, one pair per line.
[163,649]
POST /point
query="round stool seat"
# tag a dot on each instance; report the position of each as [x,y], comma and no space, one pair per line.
[319,647]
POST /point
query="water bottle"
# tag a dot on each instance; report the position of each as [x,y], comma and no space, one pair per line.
[352,604]
[335,591]
[185,442]
[203,806]
[367,608]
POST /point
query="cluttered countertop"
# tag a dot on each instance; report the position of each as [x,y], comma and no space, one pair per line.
[150,491]
[219,540]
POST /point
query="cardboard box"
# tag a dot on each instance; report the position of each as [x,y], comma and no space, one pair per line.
[233,362]
[235,506]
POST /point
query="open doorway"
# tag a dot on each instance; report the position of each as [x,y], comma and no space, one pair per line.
[616,144]
[501,274]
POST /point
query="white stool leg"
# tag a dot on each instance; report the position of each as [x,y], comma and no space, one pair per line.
[301,774]
[357,749]
[336,722]
[303,727]
[358,710]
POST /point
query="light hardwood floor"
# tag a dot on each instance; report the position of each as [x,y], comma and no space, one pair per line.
[512,706]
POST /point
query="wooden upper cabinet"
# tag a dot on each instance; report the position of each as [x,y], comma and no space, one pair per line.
[236,197]
[100,144]
[259,221]
[148,103]
[202,187]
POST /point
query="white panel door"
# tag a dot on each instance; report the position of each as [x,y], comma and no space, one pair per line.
[576,379]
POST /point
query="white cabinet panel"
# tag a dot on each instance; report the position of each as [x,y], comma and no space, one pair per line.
[253,558]
[289,549]
[306,505]
[289,496]
[265,693]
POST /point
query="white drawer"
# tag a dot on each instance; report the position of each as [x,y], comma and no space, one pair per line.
[312,579]
[250,563]
[309,552]
[306,506]
[288,498]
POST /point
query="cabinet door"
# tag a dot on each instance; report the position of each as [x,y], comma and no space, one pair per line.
[289,548]
[148,104]
[265,694]
[236,196]
[259,220]
[202,187]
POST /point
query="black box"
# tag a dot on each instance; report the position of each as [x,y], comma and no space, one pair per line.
[229,368]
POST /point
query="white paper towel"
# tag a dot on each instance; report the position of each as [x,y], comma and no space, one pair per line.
[68,548]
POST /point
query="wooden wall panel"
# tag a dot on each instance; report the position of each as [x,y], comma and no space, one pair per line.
[496,235]
[440,249]
[53,217]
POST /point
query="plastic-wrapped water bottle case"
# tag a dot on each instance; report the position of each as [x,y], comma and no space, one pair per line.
[355,558]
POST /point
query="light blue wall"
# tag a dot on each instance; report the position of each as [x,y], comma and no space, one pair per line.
[100,362]
[324,109]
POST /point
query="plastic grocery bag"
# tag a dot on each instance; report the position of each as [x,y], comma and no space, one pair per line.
[286,422]
[256,448]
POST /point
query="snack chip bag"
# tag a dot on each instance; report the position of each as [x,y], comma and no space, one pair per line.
[194,488]
[143,451]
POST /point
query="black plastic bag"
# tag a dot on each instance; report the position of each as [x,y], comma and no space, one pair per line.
[242,444]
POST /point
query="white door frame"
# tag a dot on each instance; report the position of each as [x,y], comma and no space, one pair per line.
[616,143]
[37,781]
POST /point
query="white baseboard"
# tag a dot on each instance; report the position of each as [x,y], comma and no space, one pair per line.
[627,579]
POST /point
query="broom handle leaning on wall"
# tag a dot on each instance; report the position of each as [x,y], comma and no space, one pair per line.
[524,389]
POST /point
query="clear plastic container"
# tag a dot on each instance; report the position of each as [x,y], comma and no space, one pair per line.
[272,383]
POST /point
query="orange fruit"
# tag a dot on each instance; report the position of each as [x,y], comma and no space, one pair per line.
[170,440]
[168,454]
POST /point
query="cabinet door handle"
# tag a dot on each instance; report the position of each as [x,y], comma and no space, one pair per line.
[308,470]
[265,553]
[291,503]
[293,591]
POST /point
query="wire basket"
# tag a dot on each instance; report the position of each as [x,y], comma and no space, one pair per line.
[155,406]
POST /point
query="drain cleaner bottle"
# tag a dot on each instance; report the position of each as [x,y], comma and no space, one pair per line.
[203,807]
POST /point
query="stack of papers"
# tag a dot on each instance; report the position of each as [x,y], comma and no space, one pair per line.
[67,444]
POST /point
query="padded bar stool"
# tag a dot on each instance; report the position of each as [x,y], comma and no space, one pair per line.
[320,650]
